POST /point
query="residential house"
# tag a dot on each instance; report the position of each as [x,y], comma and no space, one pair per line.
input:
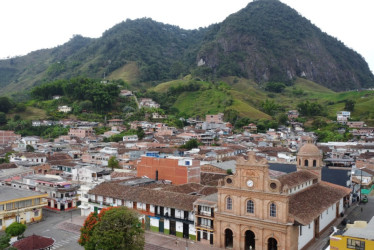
[81,132]
[8,137]
[359,235]
[64,109]
[204,208]
[18,205]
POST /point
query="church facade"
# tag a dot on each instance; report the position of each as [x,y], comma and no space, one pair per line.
[263,209]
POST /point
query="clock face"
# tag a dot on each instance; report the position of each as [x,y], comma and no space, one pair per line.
[250,183]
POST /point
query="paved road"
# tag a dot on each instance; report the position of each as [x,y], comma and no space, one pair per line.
[57,226]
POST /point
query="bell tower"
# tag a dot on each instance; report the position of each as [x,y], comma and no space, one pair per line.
[309,158]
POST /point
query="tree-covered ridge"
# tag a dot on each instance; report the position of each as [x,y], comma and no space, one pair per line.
[269,41]
[266,41]
[102,96]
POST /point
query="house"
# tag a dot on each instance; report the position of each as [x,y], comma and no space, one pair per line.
[343,116]
[81,132]
[29,157]
[28,140]
[214,118]
[263,209]
[164,211]
[115,122]
[359,235]
[8,137]
[148,103]
[178,170]
[251,128]
[64,109]
[125,92]
[18,205]
[292,114]
[129,138]
[205,208]
[62,195]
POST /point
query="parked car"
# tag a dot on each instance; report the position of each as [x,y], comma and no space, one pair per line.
[364,199]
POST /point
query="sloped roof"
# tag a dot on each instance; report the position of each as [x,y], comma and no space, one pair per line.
[308,204]
[34,242]
[145,195]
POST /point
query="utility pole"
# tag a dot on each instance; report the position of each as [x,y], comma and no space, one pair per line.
[360,182]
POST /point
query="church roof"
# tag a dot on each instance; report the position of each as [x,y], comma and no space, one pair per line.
[296,178]
[306,205]
[309,149]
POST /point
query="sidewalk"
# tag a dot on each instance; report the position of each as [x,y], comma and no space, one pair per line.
[157,241]
[323,241]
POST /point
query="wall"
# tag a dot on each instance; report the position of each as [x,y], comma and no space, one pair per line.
[327,217]
[307,235]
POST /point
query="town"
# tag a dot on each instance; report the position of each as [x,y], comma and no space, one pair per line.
[201,186]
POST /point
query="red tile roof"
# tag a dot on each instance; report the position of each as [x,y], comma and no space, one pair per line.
[33,242]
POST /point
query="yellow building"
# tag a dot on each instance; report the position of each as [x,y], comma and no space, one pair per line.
[20,205]
[356,236]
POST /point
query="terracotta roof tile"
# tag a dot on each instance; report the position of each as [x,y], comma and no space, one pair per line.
[296,178]
[34,242]
[306,205]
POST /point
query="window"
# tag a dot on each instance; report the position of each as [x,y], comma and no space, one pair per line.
[355,244]
[9,206]
[228,203]
[309,226]
[273,210]
[250,207]
[36,213]
[37,201]
[1,207]
[314,163]
[306,163]
[205,235]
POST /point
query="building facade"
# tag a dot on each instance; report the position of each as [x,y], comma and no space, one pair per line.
[263,209]
[18,205]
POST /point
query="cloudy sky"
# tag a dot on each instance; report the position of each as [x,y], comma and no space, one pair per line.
[27,25]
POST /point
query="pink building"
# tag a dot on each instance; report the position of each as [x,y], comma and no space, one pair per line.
[81,132]
[214,118]
[8,137]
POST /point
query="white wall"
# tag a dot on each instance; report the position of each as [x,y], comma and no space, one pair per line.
[154,222]
[327,217]
[306,236]
[341,206]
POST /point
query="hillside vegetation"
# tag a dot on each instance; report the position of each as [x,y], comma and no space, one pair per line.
[265,42]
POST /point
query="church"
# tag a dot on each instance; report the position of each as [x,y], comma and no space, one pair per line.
[259,208]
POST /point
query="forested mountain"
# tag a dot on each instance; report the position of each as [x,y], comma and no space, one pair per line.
[266,41]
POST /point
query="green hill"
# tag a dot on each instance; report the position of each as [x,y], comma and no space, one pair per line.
[266,41]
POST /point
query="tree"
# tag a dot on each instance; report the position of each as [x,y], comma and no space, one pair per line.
[113,163]
[113,228]
[140,133]
[193,143]
[29,148]
[349,105]
[5,104]
[269,107]
[15,229]
[2,118]
[4,241]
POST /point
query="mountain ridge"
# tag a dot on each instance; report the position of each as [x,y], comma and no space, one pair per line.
[265,41]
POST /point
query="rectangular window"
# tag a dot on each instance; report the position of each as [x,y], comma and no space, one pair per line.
[1,207]
[37,201]
[301,230]
[355,244]
[9,206]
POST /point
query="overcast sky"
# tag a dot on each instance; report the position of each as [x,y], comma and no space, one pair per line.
[28,25]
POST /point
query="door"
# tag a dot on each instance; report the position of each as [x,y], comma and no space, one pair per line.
[185,230]
[316,227]
[161,226]
[28,217]
[147,223]
[173,230]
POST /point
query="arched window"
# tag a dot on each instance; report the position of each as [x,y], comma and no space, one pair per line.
[306,163]
[250,207]
[314,163]
[228,203]
[273,210]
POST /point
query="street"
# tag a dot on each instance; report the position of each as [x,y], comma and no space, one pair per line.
[59,227]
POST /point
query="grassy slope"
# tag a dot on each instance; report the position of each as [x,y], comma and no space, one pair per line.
[129,73]
[31,113]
